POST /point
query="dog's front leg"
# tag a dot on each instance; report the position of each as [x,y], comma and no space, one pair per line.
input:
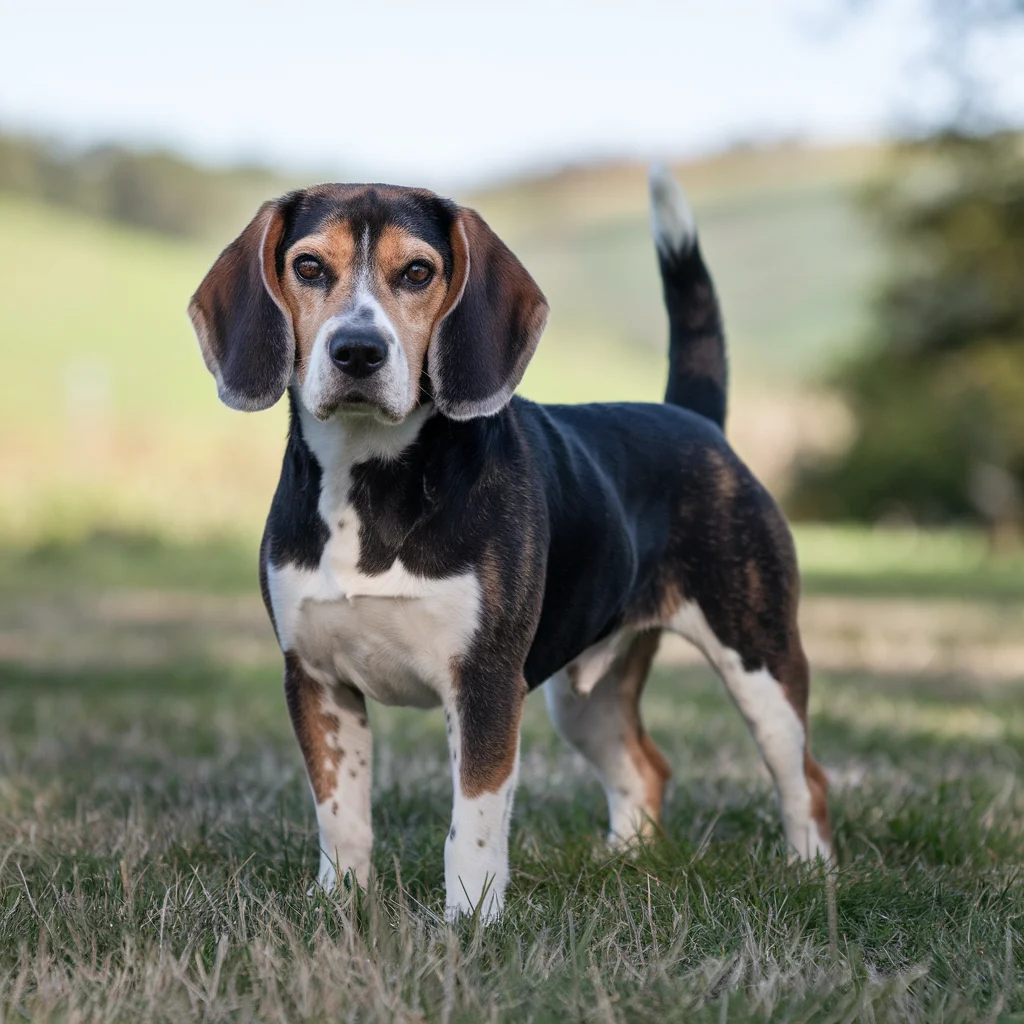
[334,733]
[483,739]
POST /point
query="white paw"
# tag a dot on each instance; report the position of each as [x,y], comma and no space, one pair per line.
[489,905]
[633,833]
[330,878]
[809,846]
[326,882]
[625,846]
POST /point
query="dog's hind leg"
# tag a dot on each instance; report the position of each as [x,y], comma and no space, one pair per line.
[604,725]
[774,705]
[729,582]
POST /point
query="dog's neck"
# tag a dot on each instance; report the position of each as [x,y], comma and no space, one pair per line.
[347,439]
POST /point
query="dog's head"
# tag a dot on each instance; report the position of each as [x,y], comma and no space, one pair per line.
[369,298]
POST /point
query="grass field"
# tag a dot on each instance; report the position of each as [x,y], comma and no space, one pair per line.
[157,838]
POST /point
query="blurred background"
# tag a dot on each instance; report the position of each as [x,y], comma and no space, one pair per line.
[857,170]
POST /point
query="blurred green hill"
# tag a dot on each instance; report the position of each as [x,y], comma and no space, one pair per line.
[788,248]
[115,416]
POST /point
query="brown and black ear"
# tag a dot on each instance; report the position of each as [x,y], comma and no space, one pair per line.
[241,321]
[489,326]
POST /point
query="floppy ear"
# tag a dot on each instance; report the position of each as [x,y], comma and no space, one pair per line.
[489,325]
[241,321]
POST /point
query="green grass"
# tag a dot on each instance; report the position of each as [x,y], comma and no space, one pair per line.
[97,313]
[852,560]
[907,562]
[157,840]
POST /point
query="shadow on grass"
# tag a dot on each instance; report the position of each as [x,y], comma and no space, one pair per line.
[118,557]
[948,725]
[113,558]
[153,796]
[206,751]
[188,679]
[864,712]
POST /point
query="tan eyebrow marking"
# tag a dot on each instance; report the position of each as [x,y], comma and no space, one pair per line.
[336,247]
[413,312]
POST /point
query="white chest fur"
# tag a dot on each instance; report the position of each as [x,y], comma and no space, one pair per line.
[392,635]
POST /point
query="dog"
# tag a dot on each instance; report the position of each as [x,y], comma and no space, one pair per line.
[436,539]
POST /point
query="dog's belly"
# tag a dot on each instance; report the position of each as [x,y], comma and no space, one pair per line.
[392,636]
[587,669]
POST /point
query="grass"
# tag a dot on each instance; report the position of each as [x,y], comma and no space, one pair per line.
[841,560]
[157,840]
[907,562]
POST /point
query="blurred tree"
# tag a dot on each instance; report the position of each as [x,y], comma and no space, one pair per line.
[937,395]
[154,190]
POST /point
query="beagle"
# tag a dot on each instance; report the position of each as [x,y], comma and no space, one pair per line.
[437,540]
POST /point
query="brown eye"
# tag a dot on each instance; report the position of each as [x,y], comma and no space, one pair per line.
[309,268]
[418,272]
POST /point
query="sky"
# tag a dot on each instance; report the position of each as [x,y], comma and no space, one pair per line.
[459,92]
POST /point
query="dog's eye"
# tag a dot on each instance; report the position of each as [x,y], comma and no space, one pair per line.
[309,268]
[418,272]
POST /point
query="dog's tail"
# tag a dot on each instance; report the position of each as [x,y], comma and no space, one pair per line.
[697,371]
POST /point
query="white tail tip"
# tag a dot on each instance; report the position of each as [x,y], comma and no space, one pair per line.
[672,220]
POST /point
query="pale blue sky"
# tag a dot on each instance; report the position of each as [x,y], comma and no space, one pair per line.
[452,92]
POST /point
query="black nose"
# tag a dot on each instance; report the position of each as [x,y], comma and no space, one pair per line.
[358,352]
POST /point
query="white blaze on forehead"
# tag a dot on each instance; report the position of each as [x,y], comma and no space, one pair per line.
[391,386]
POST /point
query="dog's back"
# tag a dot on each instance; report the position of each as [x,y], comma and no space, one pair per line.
[616,474]
[655,523]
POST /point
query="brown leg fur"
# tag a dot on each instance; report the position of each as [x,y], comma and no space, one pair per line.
[334,734]
[796,684]
[643,751]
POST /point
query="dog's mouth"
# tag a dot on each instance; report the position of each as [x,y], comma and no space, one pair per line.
[357,403]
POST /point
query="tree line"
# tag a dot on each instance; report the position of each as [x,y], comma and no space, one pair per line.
[156,189]
[937,388]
